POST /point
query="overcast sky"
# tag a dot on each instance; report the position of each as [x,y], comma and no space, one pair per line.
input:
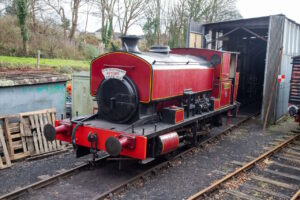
[257,8]
[248,9]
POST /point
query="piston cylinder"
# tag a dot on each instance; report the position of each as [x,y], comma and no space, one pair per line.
[167,143]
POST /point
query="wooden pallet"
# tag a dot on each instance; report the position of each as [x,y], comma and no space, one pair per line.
[15,139]
[22,135]
[4,155]
[32,124]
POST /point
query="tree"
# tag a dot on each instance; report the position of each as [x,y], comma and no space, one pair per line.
[35,8]
[158,3]
[178,24]
[208,11]
[88,11]
[203,11]
[152,27]
[22,13]
[11,8]
[128,13]
[198,9]
[75,4]
[58,8]
[106,9]
[150,30]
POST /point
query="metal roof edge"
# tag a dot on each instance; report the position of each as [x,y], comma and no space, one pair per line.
[236,20]
[253,18]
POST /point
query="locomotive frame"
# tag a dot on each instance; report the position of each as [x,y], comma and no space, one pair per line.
[169,117]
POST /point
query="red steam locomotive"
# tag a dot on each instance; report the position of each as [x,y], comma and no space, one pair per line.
[151,103]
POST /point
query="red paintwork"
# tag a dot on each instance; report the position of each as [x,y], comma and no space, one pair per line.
[165,83]
[136,68]
[205,53]
[170,142]
[62,135]
[225,93]
[81,138]
[63,128]
[216,104]
[171,83]
[225,65]
[156,83]
[127,141]
[179,116]
[236,86]
[221,74]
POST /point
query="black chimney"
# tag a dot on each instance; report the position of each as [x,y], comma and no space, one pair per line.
[129,43]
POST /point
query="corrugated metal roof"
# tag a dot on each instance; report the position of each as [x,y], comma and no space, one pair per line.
[250,19]
[239,20]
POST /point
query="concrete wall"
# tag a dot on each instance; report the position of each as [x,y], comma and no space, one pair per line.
[27,98]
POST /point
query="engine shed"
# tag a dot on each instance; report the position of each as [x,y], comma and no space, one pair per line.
[259,41]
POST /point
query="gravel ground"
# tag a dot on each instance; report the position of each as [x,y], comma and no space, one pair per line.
[24,173]
[200,169]
[86,184]
[105,177]
[188,175]
[261,169]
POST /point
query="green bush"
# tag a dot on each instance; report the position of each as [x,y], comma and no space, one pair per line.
[91,51]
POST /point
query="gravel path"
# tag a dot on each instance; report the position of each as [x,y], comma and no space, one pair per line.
[24,173]
[188,175]
[87,184]
[200,169]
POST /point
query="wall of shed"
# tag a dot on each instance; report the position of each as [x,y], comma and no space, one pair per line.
[291,48]
[276,27]
[25,98]
[82,101]
[282,32]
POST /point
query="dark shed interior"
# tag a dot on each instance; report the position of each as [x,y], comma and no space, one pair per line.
[250,39]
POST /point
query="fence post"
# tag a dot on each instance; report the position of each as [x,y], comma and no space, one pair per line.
[38,59]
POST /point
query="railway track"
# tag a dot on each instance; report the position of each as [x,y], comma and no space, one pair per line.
[110,193]
[274,175]
[154,170]
[43,183]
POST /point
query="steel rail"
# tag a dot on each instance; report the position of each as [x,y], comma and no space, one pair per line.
[43,183]
[40,184]
[296,195]
[247,166]
[155,168]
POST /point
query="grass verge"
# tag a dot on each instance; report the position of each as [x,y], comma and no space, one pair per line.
[60,65]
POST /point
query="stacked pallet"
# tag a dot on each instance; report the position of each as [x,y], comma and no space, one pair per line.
[23,136]
[4,156]
[32,124]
